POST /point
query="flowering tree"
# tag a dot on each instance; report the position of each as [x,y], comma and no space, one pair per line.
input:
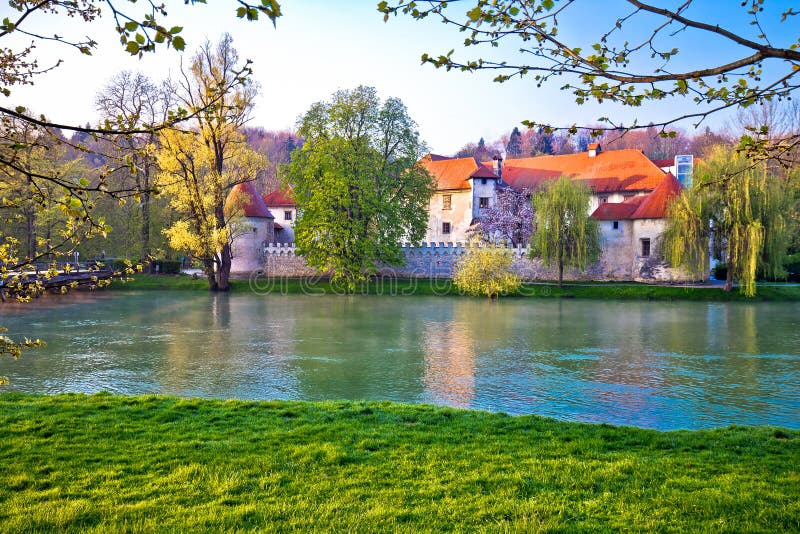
[511,217]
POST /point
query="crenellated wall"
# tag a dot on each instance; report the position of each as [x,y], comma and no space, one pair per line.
[438,260]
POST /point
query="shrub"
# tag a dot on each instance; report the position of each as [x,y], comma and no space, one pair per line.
[486,270]
[121,264]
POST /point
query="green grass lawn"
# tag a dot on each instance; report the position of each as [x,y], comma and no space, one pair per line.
[110,463]
[405,286]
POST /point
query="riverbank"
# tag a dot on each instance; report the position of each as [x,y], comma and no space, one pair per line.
[406,286]
[110,463]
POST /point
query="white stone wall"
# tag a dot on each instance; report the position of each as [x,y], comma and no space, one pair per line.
[459,216]
[286,233]
[479,189]
[437,260]
[250,234]
[617,248]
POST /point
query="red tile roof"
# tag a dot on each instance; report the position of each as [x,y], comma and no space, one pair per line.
[483,172]
[651,206]
[280,197]
[655,204]
[611,171]
[664,162]
[608,211]
[245,197]
[452,173]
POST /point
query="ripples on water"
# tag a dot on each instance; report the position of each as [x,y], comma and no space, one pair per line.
[656,365]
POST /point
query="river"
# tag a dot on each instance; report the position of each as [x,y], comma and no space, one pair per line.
[656,365]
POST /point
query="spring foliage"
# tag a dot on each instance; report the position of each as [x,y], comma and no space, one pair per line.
[198,168]
[358,185]
[486,269]
[564,234]
[743,209]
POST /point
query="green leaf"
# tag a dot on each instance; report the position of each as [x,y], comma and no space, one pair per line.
[132,47]
[131,26]
[176,30]
[178,43]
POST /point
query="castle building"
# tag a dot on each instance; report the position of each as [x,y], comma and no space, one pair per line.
[630,195]
[629,199]
[251,224]
[282,205]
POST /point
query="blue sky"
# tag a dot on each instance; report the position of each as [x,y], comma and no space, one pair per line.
[321,46]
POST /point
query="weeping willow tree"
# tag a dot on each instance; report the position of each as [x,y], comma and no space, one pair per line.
[742,210]
[563,231]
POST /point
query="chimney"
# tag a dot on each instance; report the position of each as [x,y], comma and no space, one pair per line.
[498,165]
[594,149]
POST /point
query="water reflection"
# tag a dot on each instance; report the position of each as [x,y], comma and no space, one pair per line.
[449,374]
[659,365]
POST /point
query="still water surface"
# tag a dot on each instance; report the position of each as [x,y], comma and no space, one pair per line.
[655,365]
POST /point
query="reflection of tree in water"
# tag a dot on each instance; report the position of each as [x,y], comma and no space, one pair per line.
[233,346]
[357,347]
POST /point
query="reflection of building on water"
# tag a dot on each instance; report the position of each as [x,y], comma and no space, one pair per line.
[449,374]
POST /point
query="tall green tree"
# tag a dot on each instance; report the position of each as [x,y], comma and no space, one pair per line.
[563,232]
[743,209]
[358,184]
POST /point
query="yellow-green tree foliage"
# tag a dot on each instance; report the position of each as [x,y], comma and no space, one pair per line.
[563,231]
[198,192]
[486,269]
[742,208]
[198,168]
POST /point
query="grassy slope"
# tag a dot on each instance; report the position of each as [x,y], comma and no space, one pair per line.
[630,291]
[107,463]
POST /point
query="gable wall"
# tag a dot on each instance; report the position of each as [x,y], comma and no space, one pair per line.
[459,216]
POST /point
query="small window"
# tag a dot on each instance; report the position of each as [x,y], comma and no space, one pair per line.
[628,195]
[483,181]
[447,202]
[483,202]
[645,247]
[445,227]
[615,225]
[287,215]
[603,200]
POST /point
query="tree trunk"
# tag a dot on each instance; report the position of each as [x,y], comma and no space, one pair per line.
[208,268]
[30,220]
[560,273]
[146,214]
[224,272]
[30,229]
[729,278]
